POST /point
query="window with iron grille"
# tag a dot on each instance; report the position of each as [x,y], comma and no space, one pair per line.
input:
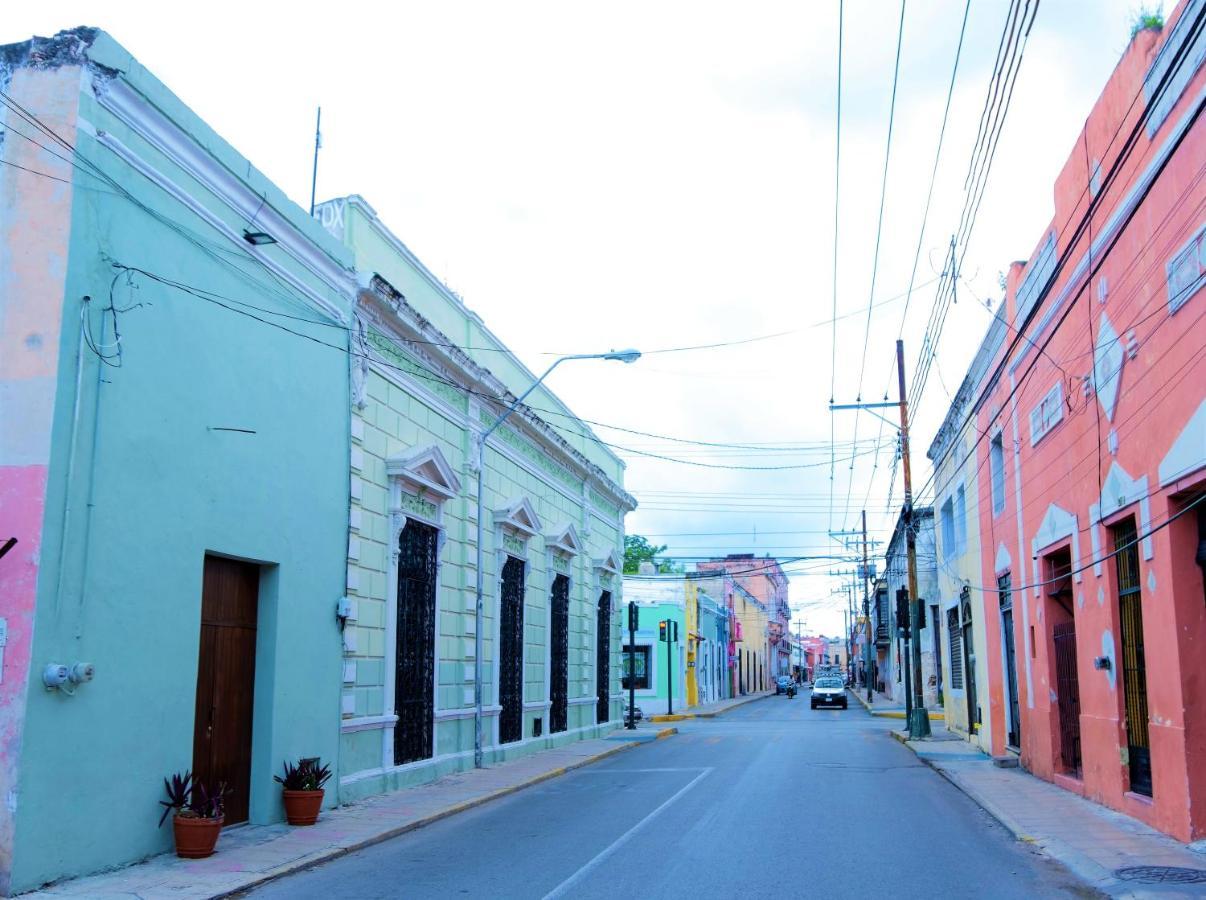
[955,637]
[641,665]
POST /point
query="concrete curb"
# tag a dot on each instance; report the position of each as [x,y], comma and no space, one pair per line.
[892,713]
[300,865]
[679,717]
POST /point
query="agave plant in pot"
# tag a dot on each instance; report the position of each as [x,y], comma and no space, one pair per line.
[198,811]
[303,791]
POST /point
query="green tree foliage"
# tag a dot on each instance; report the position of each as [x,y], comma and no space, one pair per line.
[637,550]
[1147,18]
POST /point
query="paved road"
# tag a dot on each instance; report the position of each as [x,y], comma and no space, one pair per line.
[770,800]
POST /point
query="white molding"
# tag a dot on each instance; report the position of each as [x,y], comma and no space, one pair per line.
[447,715]
[1121,212]
[441,484]
[534,705]
[519,515]
[565,539]
[120,99]
[366,723]
[1187,453]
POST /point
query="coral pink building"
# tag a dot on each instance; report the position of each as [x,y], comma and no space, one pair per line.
[1090,447]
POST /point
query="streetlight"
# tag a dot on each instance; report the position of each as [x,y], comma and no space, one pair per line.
[624,356]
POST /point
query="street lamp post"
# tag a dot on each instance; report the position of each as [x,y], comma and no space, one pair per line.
[625,356]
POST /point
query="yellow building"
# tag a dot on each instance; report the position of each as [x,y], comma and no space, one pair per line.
[753,650]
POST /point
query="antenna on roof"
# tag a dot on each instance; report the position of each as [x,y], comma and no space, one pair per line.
[317,147]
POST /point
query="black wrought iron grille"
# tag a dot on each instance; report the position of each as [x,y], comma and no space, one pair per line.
[559,656]
[969,666]
[1005,597]
[1067,686]
[510,652]
[1134,663]
[414,676]
[954,634]
[603,659]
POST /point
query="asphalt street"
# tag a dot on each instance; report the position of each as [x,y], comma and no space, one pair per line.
[770,800]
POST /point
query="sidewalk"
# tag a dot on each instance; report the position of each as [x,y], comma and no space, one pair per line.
[253,854]
[1095,843]
[711,710]
[882,706]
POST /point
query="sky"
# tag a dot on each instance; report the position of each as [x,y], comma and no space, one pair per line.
[662,175]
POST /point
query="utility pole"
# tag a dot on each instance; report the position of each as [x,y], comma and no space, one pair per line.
[317,147]
[919,717]
[633,621]
[866,613]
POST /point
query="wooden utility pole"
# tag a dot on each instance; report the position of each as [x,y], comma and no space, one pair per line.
[919,717]
[866,613]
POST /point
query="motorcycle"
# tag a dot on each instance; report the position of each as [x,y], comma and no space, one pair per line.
[791,691]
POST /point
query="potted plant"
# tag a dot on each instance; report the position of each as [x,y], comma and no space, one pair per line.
[303,791]
[198,814]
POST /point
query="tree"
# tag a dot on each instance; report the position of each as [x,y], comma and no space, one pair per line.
[637,550]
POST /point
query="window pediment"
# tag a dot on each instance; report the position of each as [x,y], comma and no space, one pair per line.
[520,516]
[425,470]
[611,563]
[565,540]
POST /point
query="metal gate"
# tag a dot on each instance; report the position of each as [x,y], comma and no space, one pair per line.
[603,659]
[1068,692]
[559,656]
[510,653]
[969,669]
[415,656]
[1134,664]
[1013,736]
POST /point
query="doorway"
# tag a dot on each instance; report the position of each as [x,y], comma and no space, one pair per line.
[226,681]
[1134,661]
[1013,736]
[414,666]
[510,656]
[969,667]
[559,656]
[603,659]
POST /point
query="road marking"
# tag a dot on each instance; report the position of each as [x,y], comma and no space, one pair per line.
[562,889]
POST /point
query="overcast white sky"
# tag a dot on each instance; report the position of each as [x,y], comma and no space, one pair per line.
[590,176]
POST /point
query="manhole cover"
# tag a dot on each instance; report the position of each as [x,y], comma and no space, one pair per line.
[1162,875]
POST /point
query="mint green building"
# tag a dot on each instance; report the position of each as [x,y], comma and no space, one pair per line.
[238,456]
[555,506]
[173,464]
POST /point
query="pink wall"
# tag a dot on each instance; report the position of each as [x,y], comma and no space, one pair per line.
[1104,444]
[35,212]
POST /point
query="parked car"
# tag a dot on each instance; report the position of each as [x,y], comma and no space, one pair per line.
[637,714]
[781,684]
[828,691]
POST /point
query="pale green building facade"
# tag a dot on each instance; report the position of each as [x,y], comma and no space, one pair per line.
[554,538]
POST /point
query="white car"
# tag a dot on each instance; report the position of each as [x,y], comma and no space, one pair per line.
[828,691]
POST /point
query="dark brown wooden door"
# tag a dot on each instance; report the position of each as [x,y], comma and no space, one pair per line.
[226,681]
[1068,698]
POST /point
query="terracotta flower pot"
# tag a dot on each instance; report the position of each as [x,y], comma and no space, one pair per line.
[195,838]
[301,807]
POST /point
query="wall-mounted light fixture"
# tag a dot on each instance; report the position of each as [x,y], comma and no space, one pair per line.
[257,238]
[1101,662]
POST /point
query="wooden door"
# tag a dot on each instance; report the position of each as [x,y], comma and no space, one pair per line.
[226,681]
[559,656]
[603,659]
[1134,659]
[1068,696]
[414,666]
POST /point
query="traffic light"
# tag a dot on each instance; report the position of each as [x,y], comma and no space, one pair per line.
[663,630]
[920,614]
[675,624]
[634,617]
[902,607]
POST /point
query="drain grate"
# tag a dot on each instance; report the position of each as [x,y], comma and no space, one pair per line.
[1161,875]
